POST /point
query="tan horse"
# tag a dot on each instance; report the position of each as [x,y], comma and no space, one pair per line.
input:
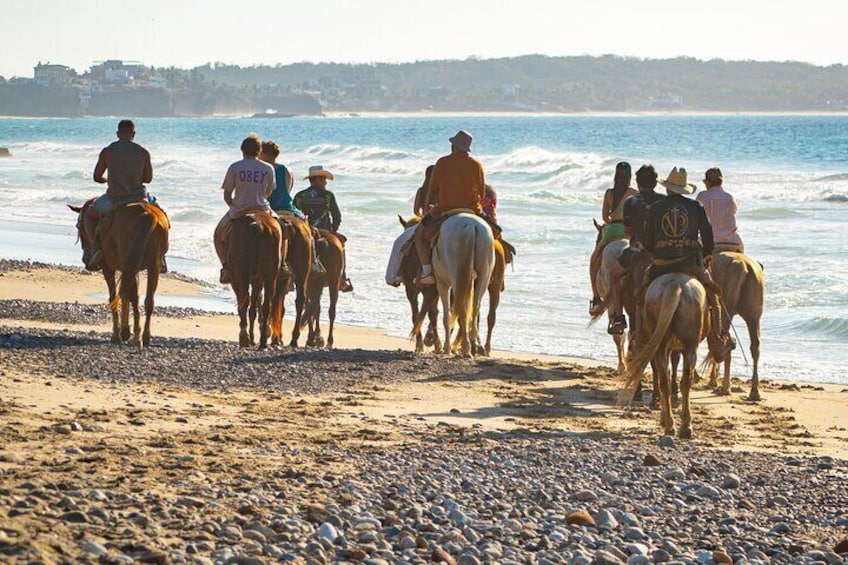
[675,316]
[300,256]
[136,239]
[743,290]
[254,257]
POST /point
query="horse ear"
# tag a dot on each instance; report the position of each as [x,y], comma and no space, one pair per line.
[76,209]
[402,221]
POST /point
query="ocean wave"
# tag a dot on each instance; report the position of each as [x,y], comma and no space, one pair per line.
[194,215]
[53,147]
[359,152]
[836,198]
[824,326]
[773,213]
[830,178]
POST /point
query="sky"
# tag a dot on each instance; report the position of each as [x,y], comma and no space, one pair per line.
[190,33]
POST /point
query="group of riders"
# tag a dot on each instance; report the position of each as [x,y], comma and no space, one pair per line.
[675,233]
[667,234]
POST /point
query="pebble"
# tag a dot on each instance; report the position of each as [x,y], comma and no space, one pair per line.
[667,442]
[580,518]
[731,481]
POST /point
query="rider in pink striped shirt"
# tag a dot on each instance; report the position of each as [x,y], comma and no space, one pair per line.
[721,211]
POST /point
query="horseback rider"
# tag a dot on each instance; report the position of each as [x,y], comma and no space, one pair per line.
[281,200]
[612,212]
[128,168]
[322,211]
[721,210]
[457,182]
[679,234]
[490,214]
[247,185]
[634,216]
[421,195]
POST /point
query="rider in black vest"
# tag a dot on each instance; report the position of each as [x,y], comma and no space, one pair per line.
[679,235]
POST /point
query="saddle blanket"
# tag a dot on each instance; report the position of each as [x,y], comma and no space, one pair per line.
[396,256]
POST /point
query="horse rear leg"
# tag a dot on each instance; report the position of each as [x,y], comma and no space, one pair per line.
[494,301]
[299,303]
[278,309]
[689,354]
[255,297]
[265,311]
[242,291]
[446,315]
[754,335]
[660,364]
[152,284]
[125,318]
[331,313]
[114,303]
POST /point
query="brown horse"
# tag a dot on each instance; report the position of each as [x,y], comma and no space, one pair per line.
[136,239]
[743,288]
[300,256]
[331,254]
[675,316]
[410,266]
[254,257]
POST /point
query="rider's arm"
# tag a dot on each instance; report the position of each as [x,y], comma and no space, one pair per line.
[229,185]
[147,173]
[100,167]
[706,229]
[607,206]
[335,213]
[289,181]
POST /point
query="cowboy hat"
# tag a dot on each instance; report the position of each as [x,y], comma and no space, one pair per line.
[462,140]
[676,182]
[318,171]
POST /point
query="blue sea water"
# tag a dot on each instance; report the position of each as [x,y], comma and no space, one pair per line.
[788,173]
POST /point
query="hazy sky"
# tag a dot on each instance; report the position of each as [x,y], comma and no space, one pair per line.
[187,33]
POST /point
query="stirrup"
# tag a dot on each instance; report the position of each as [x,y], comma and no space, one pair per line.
[224,277]
[345,285]
[163,268]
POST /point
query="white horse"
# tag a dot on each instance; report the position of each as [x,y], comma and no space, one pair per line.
[609,258]
[463,261]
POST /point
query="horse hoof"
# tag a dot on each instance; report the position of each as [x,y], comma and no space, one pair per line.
[125,334]
[721,391]
[116,339]
[685,433]
[754,397]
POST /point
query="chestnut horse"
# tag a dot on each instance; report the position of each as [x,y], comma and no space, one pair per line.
[331,254]
[254,257]
[675,316]
[410,266]
[135,239]
[300,256]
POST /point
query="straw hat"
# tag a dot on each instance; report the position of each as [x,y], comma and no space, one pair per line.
[318,171]
[676,182]
[462,140]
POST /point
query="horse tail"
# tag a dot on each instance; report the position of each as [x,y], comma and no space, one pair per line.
[462,306]
[669,301]
[134,259]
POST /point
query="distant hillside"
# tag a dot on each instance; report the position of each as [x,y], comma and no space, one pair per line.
[529,83]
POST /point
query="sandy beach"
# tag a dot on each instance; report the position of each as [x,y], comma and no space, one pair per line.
[195,451]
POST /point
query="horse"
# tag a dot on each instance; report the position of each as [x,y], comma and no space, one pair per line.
[300,257]
[743,288]
[331,254]
[612,251]
[135,239]
[254,257]
[463,261]
[409,268]
[675,316]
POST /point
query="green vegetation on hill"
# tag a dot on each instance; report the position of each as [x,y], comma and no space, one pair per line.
[532,82]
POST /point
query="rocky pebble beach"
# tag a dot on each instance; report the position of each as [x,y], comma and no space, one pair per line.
[278,485]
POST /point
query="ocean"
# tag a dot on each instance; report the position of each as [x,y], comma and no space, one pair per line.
[788,173]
